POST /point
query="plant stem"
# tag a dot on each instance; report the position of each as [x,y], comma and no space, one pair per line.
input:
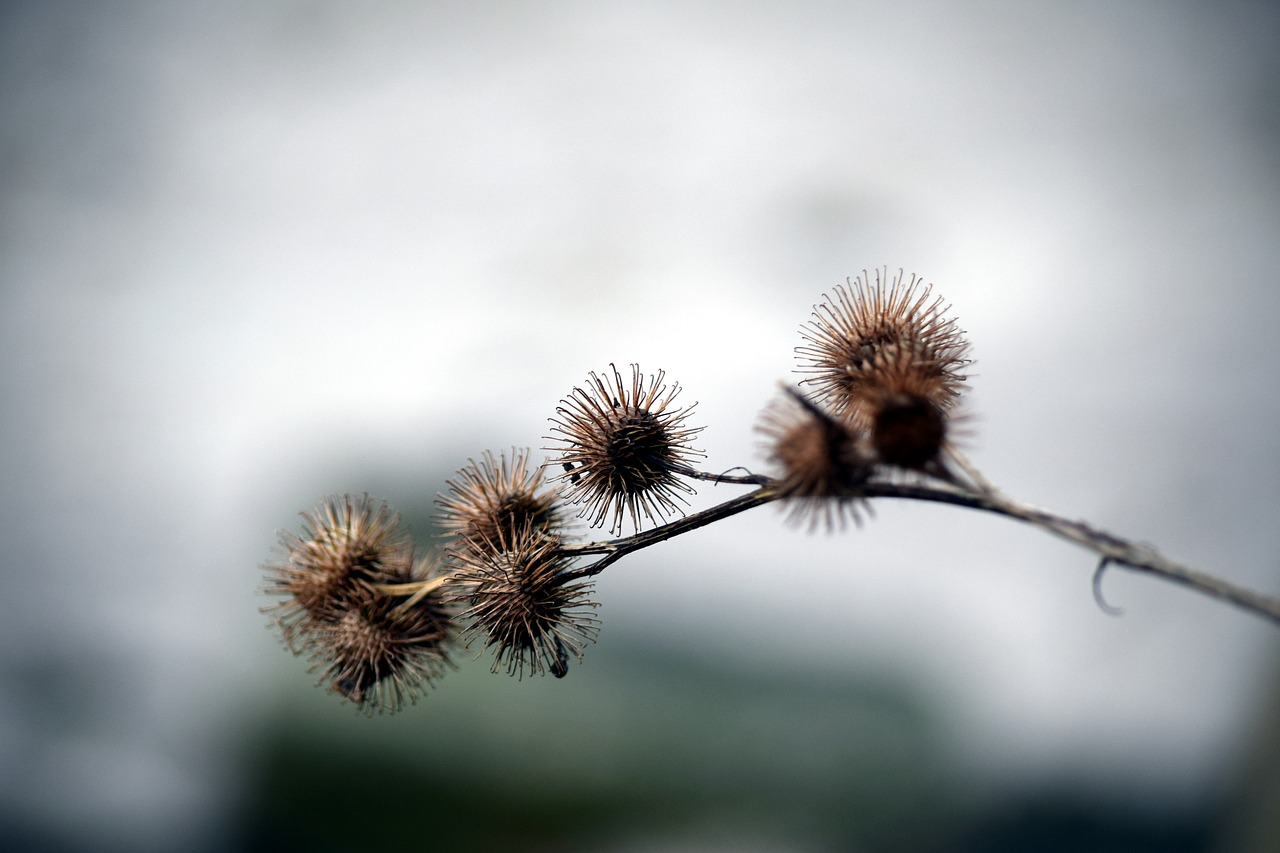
[416,590]
[747,479]
[617,548]
[1111,549]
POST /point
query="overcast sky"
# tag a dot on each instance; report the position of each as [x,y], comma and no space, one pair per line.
[251,253]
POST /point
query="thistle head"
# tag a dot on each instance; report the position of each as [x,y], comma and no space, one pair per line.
[867,340]
[347,546]
[823,461]
[518,598]
[908,427]
[622,446]
[375,648]
[491,501]
[384,651]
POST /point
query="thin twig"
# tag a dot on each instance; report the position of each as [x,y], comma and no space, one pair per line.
[747,479]
[971,471]
[416,590]
[615,549]
[1098,598]
[1111,549]
[1136,556]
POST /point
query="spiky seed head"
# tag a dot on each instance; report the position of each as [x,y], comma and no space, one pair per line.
[621,446]
[519,601]
[871,340]
[908,428]
[347,546]
[384,651]
[824,461]
[908,431]
[494,499]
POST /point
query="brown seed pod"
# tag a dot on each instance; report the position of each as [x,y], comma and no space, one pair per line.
[870,341]
[347,546]
[908,431]
[493,500]
[908,428]
[622,447]
[517,599]
[824,461]
[384,651]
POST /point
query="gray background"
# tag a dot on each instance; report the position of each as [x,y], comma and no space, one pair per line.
[251,254]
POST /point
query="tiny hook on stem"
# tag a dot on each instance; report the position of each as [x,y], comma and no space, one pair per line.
[1097,590]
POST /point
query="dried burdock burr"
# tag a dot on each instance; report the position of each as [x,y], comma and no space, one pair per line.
[622,447]
[869,342]
[347,547]
[384,651]
[886,367]
[824,461]
[519,600]
[908,432]
[495,499]
[908,428]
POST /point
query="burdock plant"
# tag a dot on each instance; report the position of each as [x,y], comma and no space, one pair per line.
[369,616]
[623,448]
[884,370]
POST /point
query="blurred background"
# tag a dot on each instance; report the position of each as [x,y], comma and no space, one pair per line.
[252,254]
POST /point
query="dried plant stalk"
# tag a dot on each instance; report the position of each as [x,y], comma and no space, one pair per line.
[887,368]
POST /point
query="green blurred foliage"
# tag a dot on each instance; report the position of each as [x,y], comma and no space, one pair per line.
[655,748]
